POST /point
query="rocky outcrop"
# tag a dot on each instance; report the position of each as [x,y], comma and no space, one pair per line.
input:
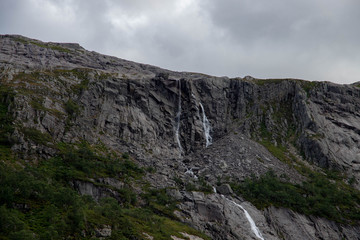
[69,94]
[290,225]
[222,218]
[102,188]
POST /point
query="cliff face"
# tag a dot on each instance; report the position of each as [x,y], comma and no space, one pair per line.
[192,128]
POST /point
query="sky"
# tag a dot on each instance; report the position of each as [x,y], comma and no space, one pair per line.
[317,40]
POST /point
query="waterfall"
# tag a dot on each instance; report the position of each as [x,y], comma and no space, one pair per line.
[254,228]
[206,126]
[190,172]
[177,120]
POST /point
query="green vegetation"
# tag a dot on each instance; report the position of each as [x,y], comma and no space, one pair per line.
[322,194]
[318,196]
[82,74]
[72,108]
[308,86]
[37,136]
[81,161]
[262,82]
[38,202]
[36,103]
[6,120]
[43,45]
[79,88]
[200,186]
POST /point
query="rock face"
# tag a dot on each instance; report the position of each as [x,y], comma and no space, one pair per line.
[135,108]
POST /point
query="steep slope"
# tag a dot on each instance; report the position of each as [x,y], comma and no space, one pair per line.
[61,94]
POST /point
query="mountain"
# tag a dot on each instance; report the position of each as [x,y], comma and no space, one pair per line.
[94,146]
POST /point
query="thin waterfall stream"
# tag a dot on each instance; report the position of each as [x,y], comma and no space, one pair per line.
[253,226]
[206,126]
[177,120]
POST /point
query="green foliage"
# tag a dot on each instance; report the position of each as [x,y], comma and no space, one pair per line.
[79,88]
[308,86]
[158,201]
[131,223]
[190,187]
[280,152]
[318,196]
[37,202]
[72,108]
[45,207]
[262,82]
[83,75]
[37,104]
[6,120]
[43,45]
[200,186]
[37,136]
[150,170]
[179,182]
[125,155]
[82,161]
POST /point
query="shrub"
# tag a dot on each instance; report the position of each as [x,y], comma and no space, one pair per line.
[37,136]
[318,196]
[72,108]
[6,120]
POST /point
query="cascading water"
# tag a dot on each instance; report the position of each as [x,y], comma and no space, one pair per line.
[190,172]
[177,120]
[207,127]
[254,228]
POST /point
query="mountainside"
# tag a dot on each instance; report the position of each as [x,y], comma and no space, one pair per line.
[108,148]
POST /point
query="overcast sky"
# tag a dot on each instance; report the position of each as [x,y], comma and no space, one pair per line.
[307,39]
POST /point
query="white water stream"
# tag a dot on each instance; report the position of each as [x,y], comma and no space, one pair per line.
[177,120]
[190,172]
[206,126]
[254,228]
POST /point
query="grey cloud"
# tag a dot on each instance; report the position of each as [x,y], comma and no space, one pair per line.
[315,40]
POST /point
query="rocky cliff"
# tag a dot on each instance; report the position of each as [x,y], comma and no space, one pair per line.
[193,132]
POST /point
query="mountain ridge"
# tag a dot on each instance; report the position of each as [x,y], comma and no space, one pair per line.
[293,127]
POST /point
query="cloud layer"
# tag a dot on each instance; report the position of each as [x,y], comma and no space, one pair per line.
[313,40]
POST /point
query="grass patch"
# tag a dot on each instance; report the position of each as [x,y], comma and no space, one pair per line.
[308,86]
[79,88]
[6,120]
[262,82]
[43,45]
[37,136]
[72,108]
[37,104]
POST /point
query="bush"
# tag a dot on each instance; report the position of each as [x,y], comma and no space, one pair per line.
[72,108]
[6,120]
[318,196]
[37,136]
[37,202]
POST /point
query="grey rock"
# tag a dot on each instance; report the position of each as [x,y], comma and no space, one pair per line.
[224,189]
[103,232]
[284,220]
